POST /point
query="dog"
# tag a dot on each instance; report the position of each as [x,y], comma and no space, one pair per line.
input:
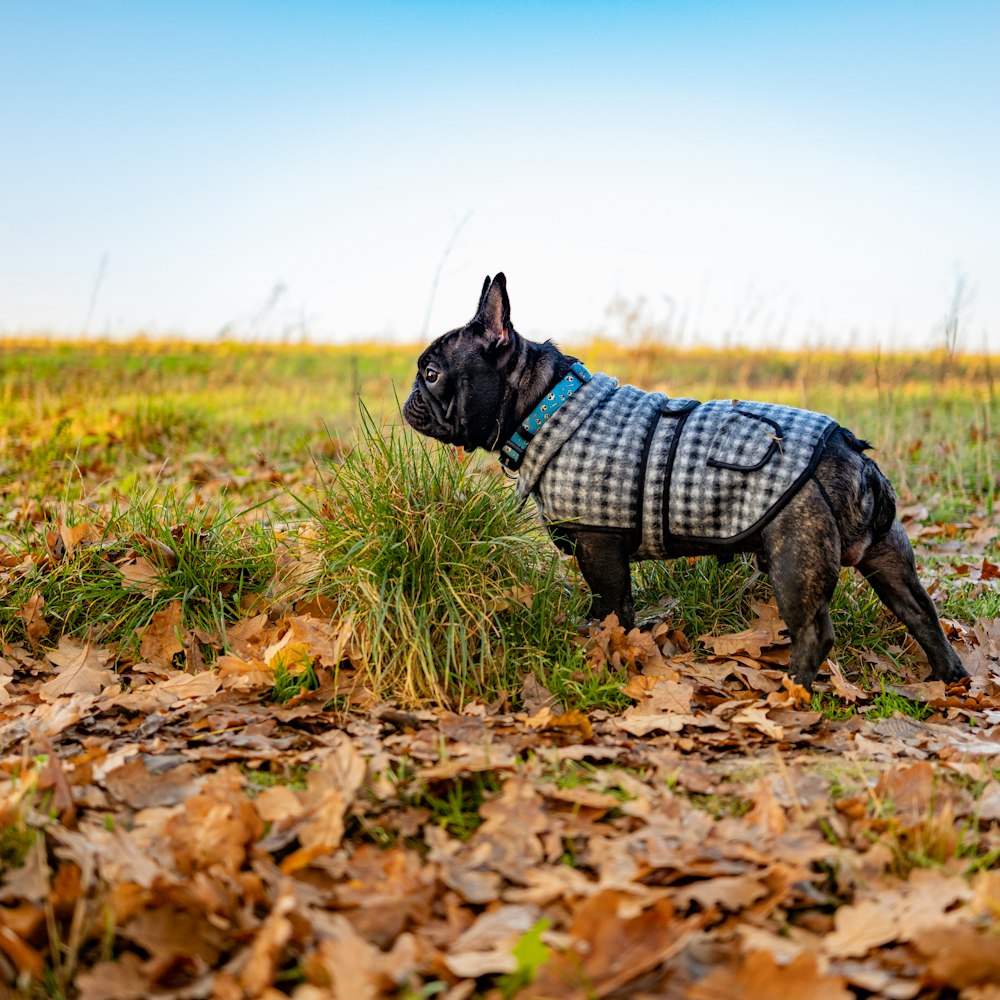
[620,475]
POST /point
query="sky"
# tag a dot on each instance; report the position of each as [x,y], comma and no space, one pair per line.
[756,173]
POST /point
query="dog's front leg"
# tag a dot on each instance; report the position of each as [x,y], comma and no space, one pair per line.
[603,558]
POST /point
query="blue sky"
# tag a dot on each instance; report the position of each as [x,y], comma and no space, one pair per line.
[779,173]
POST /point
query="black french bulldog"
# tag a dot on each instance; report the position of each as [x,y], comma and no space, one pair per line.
[621,475]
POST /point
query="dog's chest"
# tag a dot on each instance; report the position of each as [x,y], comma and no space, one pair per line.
[617,458]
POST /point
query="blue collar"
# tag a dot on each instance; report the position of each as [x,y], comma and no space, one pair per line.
[512,453]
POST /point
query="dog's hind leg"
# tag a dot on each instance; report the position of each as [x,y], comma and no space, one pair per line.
[803,552]
[890,568]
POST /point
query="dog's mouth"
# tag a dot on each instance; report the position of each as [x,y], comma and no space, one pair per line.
[421,414]
[414,413]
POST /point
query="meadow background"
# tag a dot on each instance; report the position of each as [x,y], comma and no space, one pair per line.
[74,410]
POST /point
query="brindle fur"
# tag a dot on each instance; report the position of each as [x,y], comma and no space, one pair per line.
[475,385]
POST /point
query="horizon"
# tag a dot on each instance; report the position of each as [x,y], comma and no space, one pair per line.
[597,340]
[751,174]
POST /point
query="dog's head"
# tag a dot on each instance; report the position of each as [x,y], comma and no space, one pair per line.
[462,391]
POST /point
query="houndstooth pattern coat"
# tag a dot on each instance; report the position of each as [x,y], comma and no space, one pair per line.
[617,458]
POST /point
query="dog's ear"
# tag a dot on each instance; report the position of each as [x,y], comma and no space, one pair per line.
[482,296]
[494,310]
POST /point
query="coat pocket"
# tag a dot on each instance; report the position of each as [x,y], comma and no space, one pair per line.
[744,442]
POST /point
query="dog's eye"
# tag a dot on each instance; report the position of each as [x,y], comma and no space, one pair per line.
[430,375]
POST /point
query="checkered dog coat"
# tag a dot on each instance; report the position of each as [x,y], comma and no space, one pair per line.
[615,457]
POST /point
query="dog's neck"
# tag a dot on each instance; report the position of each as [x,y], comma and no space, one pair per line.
[537,369]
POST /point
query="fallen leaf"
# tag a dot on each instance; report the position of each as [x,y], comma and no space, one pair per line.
[461,869]
[134,784]
[183,687]
[279,803]
[215,827]
[844,688]
[122,979]
[267,947]
[641,724]
[81,668]
[168,933]
[27,960]
[140,574]
[758,719]
[860,928]
[728,892]
[762,978]
[330,793]
[29,882]
[611,943]
[609,645]
[354,968]
[966,956]
[244,675]
[751,641]
[486,947]
[79,534]
[306,638]
[571,722]
[658,696]
[535,696]
[161,637]
[35,624]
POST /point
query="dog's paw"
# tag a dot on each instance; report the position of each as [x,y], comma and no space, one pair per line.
[952,672]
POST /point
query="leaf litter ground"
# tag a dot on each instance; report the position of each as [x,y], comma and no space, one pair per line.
[178,834]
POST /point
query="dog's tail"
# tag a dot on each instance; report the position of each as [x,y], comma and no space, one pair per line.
[883,495]
[854,442]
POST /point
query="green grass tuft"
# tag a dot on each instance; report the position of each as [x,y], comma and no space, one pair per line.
[713,597]
[291,776]
[832,707]
[209,559]
[885,704]
[453,591]
[291,680]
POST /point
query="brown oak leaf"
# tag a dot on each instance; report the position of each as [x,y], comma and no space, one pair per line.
[762,978]
[140,574]
[611,945]
[329,795]
[161,638]
[860,928]
[36,627]
[81,668]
